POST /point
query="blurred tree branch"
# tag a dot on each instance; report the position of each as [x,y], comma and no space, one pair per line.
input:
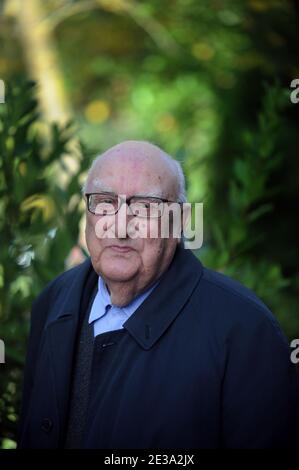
[139,13]
[41,58]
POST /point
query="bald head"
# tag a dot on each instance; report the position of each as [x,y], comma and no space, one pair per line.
[133,158]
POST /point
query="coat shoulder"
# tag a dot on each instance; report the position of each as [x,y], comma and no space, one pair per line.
[230,287]
[61,281]
[235,302]
[46,298]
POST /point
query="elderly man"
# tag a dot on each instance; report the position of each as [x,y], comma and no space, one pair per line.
[143,347]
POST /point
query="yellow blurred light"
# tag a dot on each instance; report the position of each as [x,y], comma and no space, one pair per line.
[113,5]
[97,111]
[10,143]
[259,5]
[203,51]
[23,168]
[225,80]
[39,202]
[4,64]
[166,123]
[247,61]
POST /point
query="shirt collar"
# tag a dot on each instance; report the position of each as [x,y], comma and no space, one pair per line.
[103,300]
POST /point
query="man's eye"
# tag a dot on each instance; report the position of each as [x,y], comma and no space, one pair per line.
[147,203]
[106,200]
[144,204]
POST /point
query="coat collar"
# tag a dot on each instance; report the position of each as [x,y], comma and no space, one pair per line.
[67,302]
[158,311]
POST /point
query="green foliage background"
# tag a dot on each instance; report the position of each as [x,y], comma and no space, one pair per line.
[207,81]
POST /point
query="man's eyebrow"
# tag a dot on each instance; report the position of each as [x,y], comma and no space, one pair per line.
[101,187]
[107,189]
[151,194]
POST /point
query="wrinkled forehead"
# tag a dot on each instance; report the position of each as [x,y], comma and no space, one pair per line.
[132,176]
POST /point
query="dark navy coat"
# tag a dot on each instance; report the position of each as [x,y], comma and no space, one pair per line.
[202,363]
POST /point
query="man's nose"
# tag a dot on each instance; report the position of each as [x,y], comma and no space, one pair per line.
[123,217]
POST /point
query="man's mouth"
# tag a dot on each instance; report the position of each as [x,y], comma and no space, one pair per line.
[121,249]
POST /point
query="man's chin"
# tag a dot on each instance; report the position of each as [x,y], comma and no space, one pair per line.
[121,271]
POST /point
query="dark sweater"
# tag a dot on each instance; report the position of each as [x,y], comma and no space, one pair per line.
[91,361]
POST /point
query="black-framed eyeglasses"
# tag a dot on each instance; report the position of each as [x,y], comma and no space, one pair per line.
[106,203]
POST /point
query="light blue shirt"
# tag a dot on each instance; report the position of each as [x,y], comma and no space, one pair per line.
[108,317]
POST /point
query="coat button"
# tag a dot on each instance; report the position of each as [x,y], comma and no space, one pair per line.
[47,425]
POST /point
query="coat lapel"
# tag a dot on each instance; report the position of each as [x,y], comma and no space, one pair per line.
[165,302]
[61,333]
